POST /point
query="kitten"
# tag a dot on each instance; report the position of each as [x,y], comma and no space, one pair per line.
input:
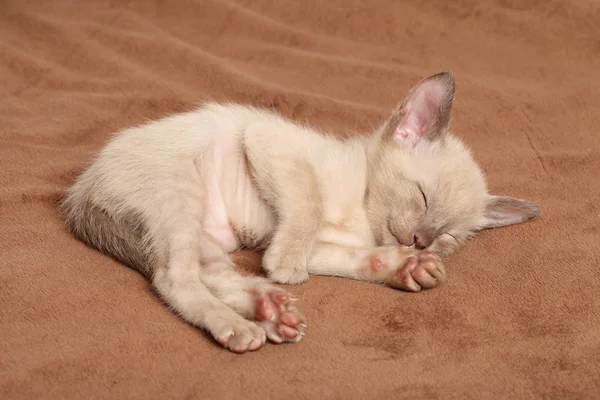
[172,198]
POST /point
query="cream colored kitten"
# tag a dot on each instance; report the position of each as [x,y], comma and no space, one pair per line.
[172,198]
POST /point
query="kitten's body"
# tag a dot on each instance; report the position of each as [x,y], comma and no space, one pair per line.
[174,197]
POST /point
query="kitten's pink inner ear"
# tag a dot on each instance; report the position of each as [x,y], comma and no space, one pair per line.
[503,211]
[503,218]
[409,131]
[421,110]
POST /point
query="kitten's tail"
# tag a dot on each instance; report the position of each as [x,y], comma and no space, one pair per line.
[122,234]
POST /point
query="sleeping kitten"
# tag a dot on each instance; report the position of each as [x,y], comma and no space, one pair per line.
[172,198]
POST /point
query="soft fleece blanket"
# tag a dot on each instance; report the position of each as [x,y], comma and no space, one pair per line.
[519,316]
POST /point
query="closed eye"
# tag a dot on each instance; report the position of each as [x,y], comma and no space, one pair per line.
[452,236]
[424,197]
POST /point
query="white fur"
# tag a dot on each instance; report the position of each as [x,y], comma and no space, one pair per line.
[226,176]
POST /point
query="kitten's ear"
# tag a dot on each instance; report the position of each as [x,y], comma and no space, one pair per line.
[425,112]
[502,211]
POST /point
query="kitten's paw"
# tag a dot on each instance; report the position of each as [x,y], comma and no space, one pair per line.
[277,314]
[420,271]
[240,335]
[284,269]
[289,274]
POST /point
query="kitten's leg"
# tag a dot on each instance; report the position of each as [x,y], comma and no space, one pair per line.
[287,256]
[180,286]
[253,297]
[300,213]
[399,267]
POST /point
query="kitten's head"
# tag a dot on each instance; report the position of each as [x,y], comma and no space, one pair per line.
[424,187]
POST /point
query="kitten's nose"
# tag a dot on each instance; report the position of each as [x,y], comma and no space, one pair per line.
[421,241]
[406,240]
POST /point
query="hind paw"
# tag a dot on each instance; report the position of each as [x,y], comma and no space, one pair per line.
[281,320]
[240,335]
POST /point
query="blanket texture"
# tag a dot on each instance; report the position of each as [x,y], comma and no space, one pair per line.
[519,316]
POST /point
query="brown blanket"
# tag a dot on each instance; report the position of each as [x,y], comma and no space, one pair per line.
[520,314]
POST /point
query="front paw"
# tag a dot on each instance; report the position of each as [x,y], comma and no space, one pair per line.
[444,245]
[284,268]
[289,274]
[423,270]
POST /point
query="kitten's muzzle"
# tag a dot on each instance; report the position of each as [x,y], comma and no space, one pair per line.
[422,240]
[406,240]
